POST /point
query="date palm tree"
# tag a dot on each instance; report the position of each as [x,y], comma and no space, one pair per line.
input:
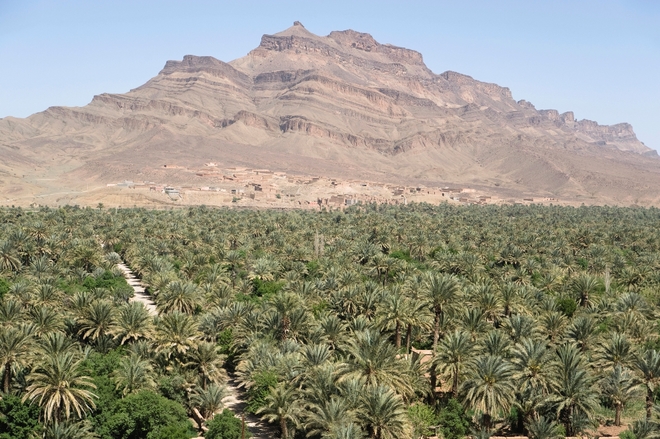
[133,374]
[583,286]
[473,322]
[15,346]
[440,292]
[509,299]
[333,330]
[97,320]
[209,401]
[383,413]
[45,320]
[489,388]
[553,325]
[208,362]
[543,428]
[11,312]
[178,296]
[282,406]
[372,359]
[133,323]
[392,313]
[176,334]
[9,258]
[496,343]
[519,327]
[69,430]
[583,331]
[58,386]
[417,316]
[531,362]
[453,355]
[574,395]
[647,366]
[56,343]
[620,387]
[329,416]
[345,431]
[617,351]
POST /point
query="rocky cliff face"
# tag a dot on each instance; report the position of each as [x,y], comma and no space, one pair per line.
[349,100]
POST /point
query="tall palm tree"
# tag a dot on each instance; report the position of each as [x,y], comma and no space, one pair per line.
[282,406]
[11,312]
[58,386]
[496,343]
[620,387]
[489,388]
[333,330]
[45,319]
[583,331]
[133,374]
[473,321]
[207,360]
[176,334]
[327,417]
[345,431]
[583,286]
[235,261]
[9,258]
[616,351]
[97,320]
[574,394]
[553,325]
[509,299]
[372,359]
[441,292]
[531,363]
[209,401]
[647,366]
[56,343]
[417,316]
[383,413]
[15,346]
[288,317]
[179,296]
[133,323]
[453,355]
[520,326]
[392,313]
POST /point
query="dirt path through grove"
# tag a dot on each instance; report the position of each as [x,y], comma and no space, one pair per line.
[235,399]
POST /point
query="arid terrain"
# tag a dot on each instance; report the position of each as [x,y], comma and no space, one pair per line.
[338,116]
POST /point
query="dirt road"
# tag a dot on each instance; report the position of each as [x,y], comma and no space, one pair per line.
[235,400]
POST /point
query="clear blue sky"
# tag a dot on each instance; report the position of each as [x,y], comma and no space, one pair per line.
[598,58]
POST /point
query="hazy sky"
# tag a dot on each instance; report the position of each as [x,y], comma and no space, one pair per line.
[600,59]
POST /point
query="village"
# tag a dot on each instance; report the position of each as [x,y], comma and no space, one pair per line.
[264,188]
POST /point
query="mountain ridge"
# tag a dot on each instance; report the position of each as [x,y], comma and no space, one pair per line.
[344,99]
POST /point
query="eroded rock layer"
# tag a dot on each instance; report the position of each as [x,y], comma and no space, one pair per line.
[343,105]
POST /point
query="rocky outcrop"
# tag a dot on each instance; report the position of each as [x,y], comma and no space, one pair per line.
[362,41]
[208,64]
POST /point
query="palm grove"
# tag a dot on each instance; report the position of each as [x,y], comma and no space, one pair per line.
[536,320]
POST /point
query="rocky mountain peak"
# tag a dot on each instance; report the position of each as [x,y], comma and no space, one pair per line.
[367,43]
[345,105]
[339,45]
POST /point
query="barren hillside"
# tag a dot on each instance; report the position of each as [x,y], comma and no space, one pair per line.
[342,106]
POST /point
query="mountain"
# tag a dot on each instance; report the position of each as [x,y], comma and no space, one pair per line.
[342,106]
